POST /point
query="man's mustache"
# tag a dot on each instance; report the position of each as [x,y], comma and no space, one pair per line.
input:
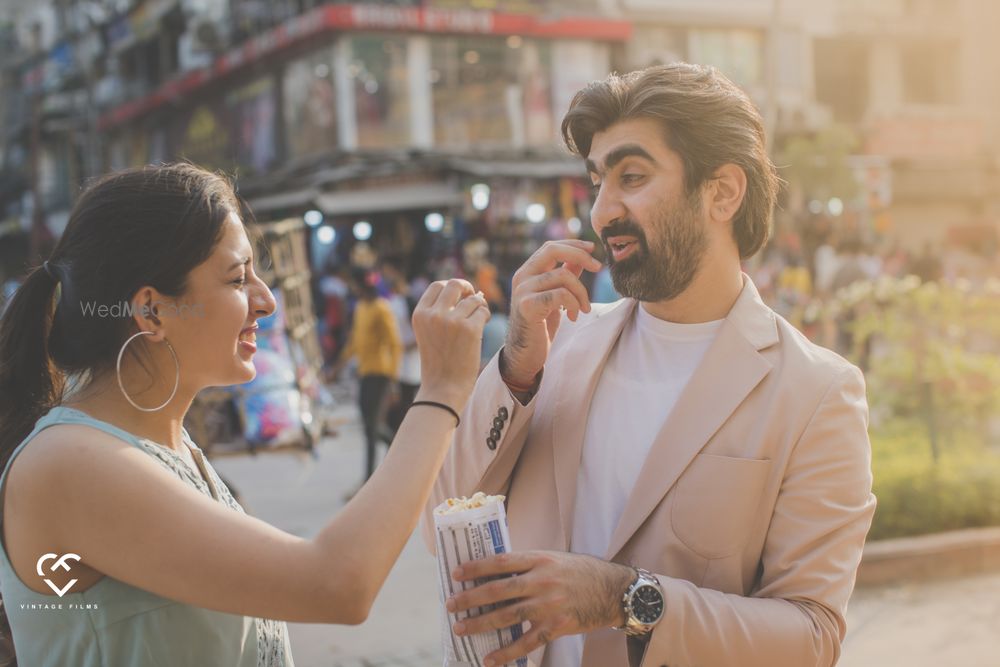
[623,228]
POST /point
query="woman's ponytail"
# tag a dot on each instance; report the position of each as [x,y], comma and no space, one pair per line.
[29,382]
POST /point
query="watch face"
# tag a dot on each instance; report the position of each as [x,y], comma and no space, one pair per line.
[647,604]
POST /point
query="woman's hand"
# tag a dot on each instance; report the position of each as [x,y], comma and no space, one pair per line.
[448,325]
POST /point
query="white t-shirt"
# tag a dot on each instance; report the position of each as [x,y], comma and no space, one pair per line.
[641,382]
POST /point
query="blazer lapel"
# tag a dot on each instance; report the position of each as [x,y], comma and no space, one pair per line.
[732,367]
[580,371]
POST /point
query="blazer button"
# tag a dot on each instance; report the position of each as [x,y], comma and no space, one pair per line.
[497,423]
[494,434]
[491,443]
[503,413]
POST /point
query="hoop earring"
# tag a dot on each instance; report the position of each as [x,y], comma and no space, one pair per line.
[118,372]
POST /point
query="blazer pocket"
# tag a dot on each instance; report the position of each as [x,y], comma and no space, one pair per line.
[716,502]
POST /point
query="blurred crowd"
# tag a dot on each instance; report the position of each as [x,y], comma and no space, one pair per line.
[799,274]
[805,267]
[365,321]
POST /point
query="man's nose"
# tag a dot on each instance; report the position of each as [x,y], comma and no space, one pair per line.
[607,207]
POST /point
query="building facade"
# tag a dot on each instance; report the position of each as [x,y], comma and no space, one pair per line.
[389,112]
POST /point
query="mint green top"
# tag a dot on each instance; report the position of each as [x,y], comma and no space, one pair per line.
[113,624]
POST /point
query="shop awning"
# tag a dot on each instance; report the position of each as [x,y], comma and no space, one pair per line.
[394,198]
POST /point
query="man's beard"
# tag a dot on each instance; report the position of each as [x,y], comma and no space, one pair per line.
[663,270]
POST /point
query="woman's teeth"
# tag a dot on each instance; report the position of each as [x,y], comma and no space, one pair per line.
[248,336]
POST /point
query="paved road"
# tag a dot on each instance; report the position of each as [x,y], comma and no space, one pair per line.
[953,624]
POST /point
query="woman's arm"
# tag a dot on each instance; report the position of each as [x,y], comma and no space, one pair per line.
[130,519]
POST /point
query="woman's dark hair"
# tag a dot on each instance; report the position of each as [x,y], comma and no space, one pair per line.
[706,119]
[365,283]
[144,226]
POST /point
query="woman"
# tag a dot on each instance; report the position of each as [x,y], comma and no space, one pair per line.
[150,296]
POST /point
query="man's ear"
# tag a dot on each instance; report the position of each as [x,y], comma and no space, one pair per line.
[729,186]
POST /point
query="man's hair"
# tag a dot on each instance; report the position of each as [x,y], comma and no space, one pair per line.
[707,120]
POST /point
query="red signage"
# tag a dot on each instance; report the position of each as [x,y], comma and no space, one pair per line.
[335,18]
[470,21]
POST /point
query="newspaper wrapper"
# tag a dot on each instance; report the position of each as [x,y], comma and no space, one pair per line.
[464,535]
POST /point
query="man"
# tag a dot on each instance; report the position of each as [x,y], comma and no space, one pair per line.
[685,430]
[375,341]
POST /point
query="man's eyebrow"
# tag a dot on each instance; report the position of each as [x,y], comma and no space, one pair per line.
[619,154]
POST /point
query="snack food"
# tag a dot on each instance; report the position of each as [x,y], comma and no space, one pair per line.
[470,529]
[455,505]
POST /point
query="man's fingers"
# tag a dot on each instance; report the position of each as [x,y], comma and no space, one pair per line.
[580,243]
[510,563]
[497,619]
[559,278]
[575,269]
[492,592]
[553,253]
[529,641]
[504,616]
[544,304]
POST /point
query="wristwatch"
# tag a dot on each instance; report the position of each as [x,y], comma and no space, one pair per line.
[643,604]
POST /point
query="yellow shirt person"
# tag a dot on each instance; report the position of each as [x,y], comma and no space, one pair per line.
[375,339]
[376,342]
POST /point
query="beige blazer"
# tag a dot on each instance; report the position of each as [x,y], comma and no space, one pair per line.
[752,506]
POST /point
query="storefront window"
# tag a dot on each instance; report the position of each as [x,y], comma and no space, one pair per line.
[537,94]
[490,92]
[310,105]
[378,70]
[252,109]
[927,70]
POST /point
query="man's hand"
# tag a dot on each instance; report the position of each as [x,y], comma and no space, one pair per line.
[558,593]
[546,283]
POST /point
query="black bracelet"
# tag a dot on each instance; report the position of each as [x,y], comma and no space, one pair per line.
[458,420]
